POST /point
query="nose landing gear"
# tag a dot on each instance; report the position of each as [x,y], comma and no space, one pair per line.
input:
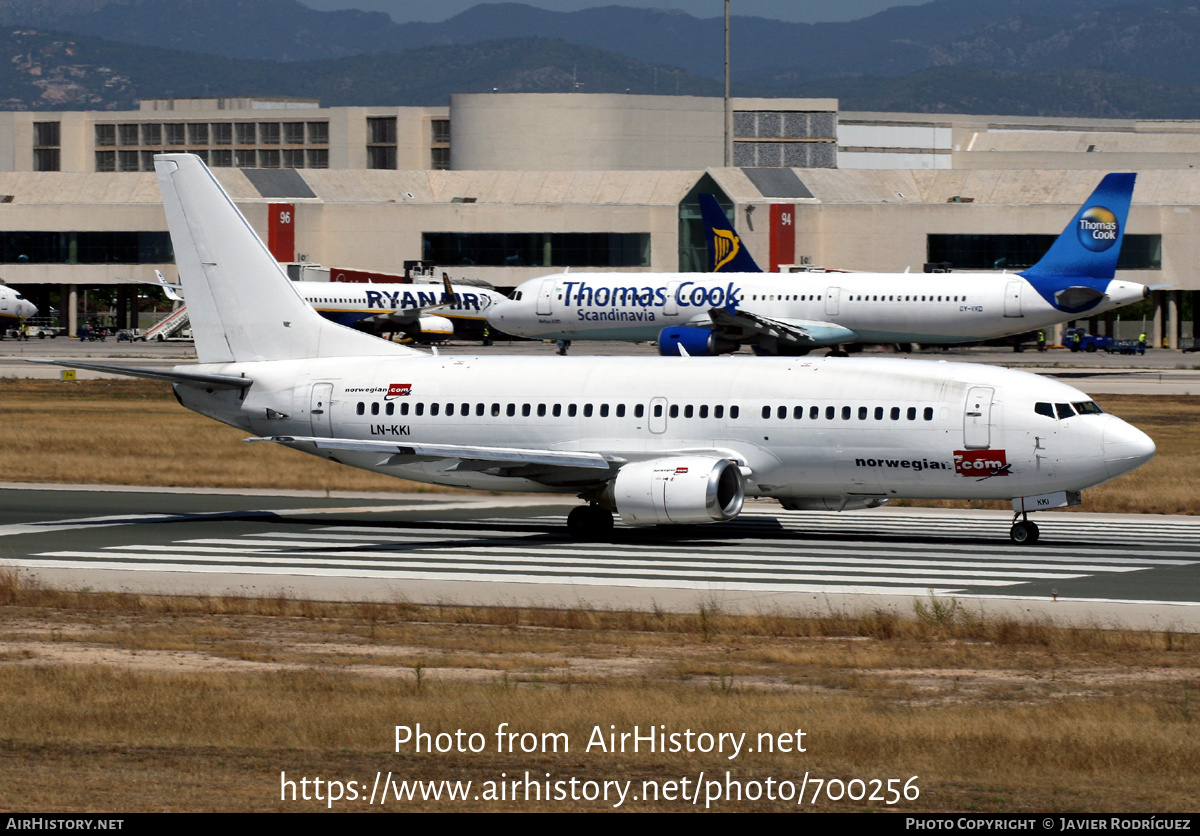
[1023,532]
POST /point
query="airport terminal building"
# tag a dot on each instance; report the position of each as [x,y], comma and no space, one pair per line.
[505,187]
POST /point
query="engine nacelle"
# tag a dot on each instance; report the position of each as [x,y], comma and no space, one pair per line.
[831,503]
[678,489]
[432,328]
[695,342]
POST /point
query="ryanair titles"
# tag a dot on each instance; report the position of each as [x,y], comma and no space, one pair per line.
[387,301]
[646,301]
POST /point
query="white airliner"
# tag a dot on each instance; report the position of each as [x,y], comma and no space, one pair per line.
[13,308]
[655,440]
[421,312]
[793,313]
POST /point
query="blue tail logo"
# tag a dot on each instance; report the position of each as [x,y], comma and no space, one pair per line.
[725,251]
[1074,273]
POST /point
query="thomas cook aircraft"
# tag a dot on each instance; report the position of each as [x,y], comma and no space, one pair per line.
[654,440]
[791,314]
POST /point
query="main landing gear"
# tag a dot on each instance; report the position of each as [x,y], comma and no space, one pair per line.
[1023,532]
[589,522]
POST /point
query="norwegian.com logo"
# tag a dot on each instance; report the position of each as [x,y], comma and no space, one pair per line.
[398,390]
[983,463]
[1098,228]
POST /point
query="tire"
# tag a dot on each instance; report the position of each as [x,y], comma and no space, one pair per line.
[1024,533]
[589,522]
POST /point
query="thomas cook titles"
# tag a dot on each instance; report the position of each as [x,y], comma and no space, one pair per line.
[688,294]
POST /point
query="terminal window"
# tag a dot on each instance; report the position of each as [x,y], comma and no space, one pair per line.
[1017,252]
[538,249]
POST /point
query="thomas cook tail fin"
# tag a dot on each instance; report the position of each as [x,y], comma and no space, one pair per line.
[1088,248]
[241,304]
[726,253]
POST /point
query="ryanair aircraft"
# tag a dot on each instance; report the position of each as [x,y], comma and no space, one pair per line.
[654,440]
[13,308]
[791,314]
[422,312]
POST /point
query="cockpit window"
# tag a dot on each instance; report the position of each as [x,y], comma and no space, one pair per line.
[516,296]
[1044,409]
[1064,410]
[1088,408]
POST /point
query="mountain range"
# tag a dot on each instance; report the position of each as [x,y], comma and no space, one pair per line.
[1119,58]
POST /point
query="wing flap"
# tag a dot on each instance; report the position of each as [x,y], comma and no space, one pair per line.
[803,333]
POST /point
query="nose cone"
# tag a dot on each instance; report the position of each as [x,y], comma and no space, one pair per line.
[1126,448]
[26,310]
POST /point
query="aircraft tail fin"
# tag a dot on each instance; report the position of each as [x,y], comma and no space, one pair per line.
[1088,248]
[726,253]
[241,304]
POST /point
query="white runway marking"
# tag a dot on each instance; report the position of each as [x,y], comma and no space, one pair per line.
[889,554]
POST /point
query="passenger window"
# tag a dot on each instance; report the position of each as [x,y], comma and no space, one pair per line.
[587,410]
[404,408]
[797,413]
[433,409]
[781,412]
[375,408]
[658,410]
[766,412]
[557,411]
[704,410]
[862,413]
[495,410]
[525,410]
[639,410]
[466,409]
[845,413]
[361,409]
[479,408]
[733,413]
[511,410]
[912,413]
[895,413]
[541,410]
[687,411]
[673,411]
[829,413]
[621,410]
[390,408]
[420,410]
[814,412]
[572,410]
[879,413]
[929,413]
[718,411]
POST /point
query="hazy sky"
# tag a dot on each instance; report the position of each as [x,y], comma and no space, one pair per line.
[806,11]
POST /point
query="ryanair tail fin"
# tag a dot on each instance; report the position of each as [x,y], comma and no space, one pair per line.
[241,304]
[1088,248]
[726,253]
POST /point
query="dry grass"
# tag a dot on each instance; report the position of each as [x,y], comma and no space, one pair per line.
[134,433]
[134,702]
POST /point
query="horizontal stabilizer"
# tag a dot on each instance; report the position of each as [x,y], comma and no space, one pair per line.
[206,381]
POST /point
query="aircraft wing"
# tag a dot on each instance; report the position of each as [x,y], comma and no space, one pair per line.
[743,326]
[401,452]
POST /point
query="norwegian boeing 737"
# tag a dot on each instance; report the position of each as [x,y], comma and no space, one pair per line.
[793,313]
[655,440]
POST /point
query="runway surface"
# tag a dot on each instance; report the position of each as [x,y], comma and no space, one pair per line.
[1127,570]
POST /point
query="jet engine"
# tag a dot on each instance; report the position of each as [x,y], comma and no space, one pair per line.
[694,341]
[677,489]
